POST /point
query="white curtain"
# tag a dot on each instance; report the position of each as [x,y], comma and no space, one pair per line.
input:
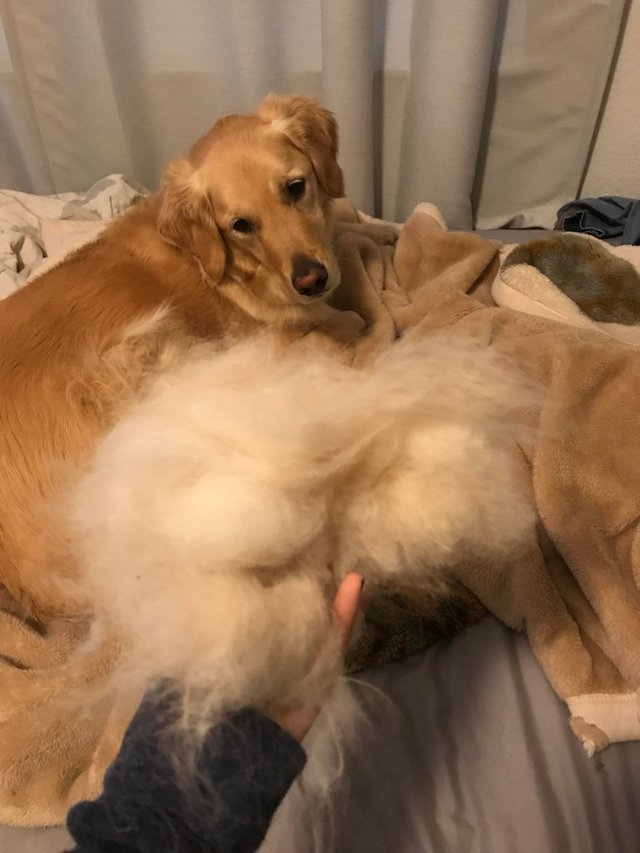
[493,109]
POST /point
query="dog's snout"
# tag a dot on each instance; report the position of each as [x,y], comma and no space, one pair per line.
[309,276]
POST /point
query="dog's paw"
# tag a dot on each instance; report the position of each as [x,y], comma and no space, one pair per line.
[345,326]
[379,230]
[382,233]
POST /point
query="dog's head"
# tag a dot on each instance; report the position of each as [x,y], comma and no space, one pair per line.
[251,201]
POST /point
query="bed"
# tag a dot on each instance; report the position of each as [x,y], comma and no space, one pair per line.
[472,753]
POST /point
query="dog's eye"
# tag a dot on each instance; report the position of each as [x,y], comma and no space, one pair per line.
[242,226]
[296,188]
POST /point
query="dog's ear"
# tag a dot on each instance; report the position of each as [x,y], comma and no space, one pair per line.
[186,220]
[312,129]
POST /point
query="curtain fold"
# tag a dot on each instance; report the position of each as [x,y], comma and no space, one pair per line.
[614,164]
[349,89]
[493,109]
[447,90]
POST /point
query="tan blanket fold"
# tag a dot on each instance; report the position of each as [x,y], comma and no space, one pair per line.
[573,587]
[59,728]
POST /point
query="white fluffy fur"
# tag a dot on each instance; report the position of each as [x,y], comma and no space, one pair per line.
[218,514]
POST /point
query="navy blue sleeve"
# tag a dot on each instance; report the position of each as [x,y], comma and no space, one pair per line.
[222,802]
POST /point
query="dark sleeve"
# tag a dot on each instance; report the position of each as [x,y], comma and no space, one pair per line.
[219,799]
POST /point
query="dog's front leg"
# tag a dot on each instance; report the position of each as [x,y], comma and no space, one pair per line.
[381,232]
[342,326]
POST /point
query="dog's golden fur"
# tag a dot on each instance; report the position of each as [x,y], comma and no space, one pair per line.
[79,342]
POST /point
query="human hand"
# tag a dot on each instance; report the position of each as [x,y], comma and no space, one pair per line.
[297,721]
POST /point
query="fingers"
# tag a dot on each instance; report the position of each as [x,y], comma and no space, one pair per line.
[346,603]
[298,720]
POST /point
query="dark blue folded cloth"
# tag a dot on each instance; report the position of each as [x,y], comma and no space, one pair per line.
[610,218]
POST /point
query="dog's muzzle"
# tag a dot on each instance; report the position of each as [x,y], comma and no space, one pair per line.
[309,277]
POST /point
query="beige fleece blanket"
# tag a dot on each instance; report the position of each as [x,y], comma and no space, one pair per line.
[573,586]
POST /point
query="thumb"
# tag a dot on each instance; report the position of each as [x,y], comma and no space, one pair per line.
[346,603]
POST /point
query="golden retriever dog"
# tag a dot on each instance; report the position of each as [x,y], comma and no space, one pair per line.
[238,239]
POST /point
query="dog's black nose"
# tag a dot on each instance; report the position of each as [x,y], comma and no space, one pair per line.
[309,277]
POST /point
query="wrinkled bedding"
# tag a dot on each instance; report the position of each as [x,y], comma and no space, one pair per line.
[473,756]
[24,221]
[476,759]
